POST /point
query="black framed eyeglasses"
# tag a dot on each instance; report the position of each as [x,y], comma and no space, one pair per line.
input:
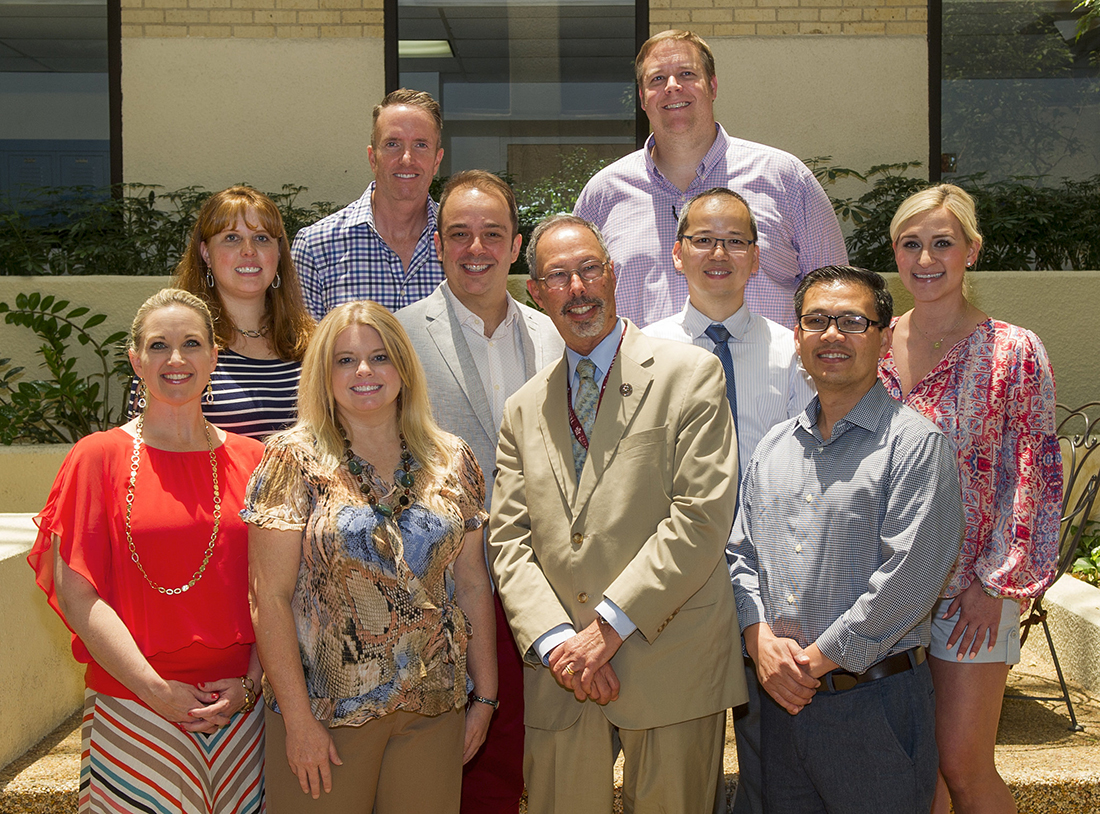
[845,323]
[589,273]
[706,243]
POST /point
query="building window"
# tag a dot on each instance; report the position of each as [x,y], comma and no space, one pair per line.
[54,91]
[523,82]
[1020,93]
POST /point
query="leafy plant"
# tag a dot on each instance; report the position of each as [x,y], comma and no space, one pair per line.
[68,405]
[555,193]
[1087,565]
[1026,223]
[80,230]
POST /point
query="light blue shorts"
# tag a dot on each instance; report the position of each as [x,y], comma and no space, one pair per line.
[1006,650]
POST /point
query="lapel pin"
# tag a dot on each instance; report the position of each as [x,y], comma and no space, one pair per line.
[625,390]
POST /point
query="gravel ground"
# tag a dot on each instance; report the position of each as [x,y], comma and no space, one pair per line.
[1050,769]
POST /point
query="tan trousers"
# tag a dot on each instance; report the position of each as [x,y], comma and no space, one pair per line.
[396,764]
[670,768]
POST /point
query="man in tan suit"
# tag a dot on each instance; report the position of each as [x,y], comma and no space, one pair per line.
[613,502]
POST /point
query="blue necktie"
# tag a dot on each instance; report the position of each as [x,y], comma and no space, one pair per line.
[588,398]
[719,335]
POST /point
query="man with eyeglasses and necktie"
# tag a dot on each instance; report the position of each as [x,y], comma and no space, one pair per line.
[717,252]
[849,522]
[617,475]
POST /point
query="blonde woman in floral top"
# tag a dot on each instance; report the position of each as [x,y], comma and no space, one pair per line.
[369,588]
[988,385]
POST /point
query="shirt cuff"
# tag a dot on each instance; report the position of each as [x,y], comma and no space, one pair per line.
[615,617]
[551,639]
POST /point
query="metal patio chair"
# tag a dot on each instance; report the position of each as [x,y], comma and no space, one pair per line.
[1079,435]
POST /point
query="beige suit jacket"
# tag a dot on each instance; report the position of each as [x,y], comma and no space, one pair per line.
[646,528]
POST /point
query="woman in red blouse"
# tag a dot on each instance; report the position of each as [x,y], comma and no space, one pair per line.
[988,385]
[142,553]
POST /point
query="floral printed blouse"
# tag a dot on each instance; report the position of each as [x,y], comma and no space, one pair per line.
[993,396]
[377,626]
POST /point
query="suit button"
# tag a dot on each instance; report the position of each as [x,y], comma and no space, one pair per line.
[578,538]
[582,597]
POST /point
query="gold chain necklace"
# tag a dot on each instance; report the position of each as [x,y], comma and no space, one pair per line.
[253,334]
[130,505]
[937,343]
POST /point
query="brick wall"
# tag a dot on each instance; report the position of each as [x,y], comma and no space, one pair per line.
[363,18]
[770,18]
[302,19]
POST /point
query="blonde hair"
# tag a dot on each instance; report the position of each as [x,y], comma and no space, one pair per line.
[431,447]
[289,324]
[954,199]
[166,298]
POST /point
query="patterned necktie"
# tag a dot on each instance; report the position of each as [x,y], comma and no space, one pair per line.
[718,334]
[588,397]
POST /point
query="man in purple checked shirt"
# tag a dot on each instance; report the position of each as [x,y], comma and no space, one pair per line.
[637,200]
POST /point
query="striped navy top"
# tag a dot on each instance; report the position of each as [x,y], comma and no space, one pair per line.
[252,397]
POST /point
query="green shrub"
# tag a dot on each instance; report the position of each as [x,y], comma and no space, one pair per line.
[1025,225]
[67,405]
[1087,564]
[80,230]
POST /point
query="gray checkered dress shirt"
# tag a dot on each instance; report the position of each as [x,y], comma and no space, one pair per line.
[847,542]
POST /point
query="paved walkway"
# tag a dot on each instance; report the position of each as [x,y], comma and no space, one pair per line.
[1050,769]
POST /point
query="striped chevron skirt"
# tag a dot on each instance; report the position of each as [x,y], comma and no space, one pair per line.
[132,760]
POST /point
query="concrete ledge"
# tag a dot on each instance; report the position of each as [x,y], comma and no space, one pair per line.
[1073,615]
[40,682]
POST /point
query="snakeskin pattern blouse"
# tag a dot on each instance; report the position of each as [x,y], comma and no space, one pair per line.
[377,626]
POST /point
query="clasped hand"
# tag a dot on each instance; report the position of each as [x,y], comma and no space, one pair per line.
[203,708]
[583,663]
[783,668]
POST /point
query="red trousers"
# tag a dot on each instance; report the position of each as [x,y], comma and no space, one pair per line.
[492,782]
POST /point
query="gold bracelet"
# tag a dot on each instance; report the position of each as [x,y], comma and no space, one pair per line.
[990,592]
[249,694]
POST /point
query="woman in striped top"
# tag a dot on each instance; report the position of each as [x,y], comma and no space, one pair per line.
[238,262]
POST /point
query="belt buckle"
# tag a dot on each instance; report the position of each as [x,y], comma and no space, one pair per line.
[838,681]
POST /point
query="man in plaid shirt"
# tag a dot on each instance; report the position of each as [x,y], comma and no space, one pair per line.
[380,247]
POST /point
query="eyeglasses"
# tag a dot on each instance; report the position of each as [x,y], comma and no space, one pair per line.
[845,323]
[560,278]
[706,243]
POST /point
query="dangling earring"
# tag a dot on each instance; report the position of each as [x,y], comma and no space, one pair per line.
[209,278]
[278,281]
[141,395]
[209,392]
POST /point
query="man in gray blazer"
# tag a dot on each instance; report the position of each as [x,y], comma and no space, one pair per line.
[478,346]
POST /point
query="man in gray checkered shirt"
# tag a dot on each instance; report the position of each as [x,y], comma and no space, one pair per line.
[850,520]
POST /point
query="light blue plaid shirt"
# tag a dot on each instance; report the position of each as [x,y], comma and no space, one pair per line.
[342,258]
[847,542]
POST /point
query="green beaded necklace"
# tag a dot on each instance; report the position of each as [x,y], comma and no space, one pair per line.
[363,472]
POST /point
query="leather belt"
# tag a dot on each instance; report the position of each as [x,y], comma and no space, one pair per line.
[841,680]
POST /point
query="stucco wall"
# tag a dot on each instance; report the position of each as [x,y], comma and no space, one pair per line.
[1059,306]
[862,100]
[214,112]
[40,683]
[26,475]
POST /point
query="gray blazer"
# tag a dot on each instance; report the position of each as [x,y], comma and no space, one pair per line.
[454,383]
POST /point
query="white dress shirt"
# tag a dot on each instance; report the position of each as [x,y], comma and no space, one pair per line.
[772,385]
